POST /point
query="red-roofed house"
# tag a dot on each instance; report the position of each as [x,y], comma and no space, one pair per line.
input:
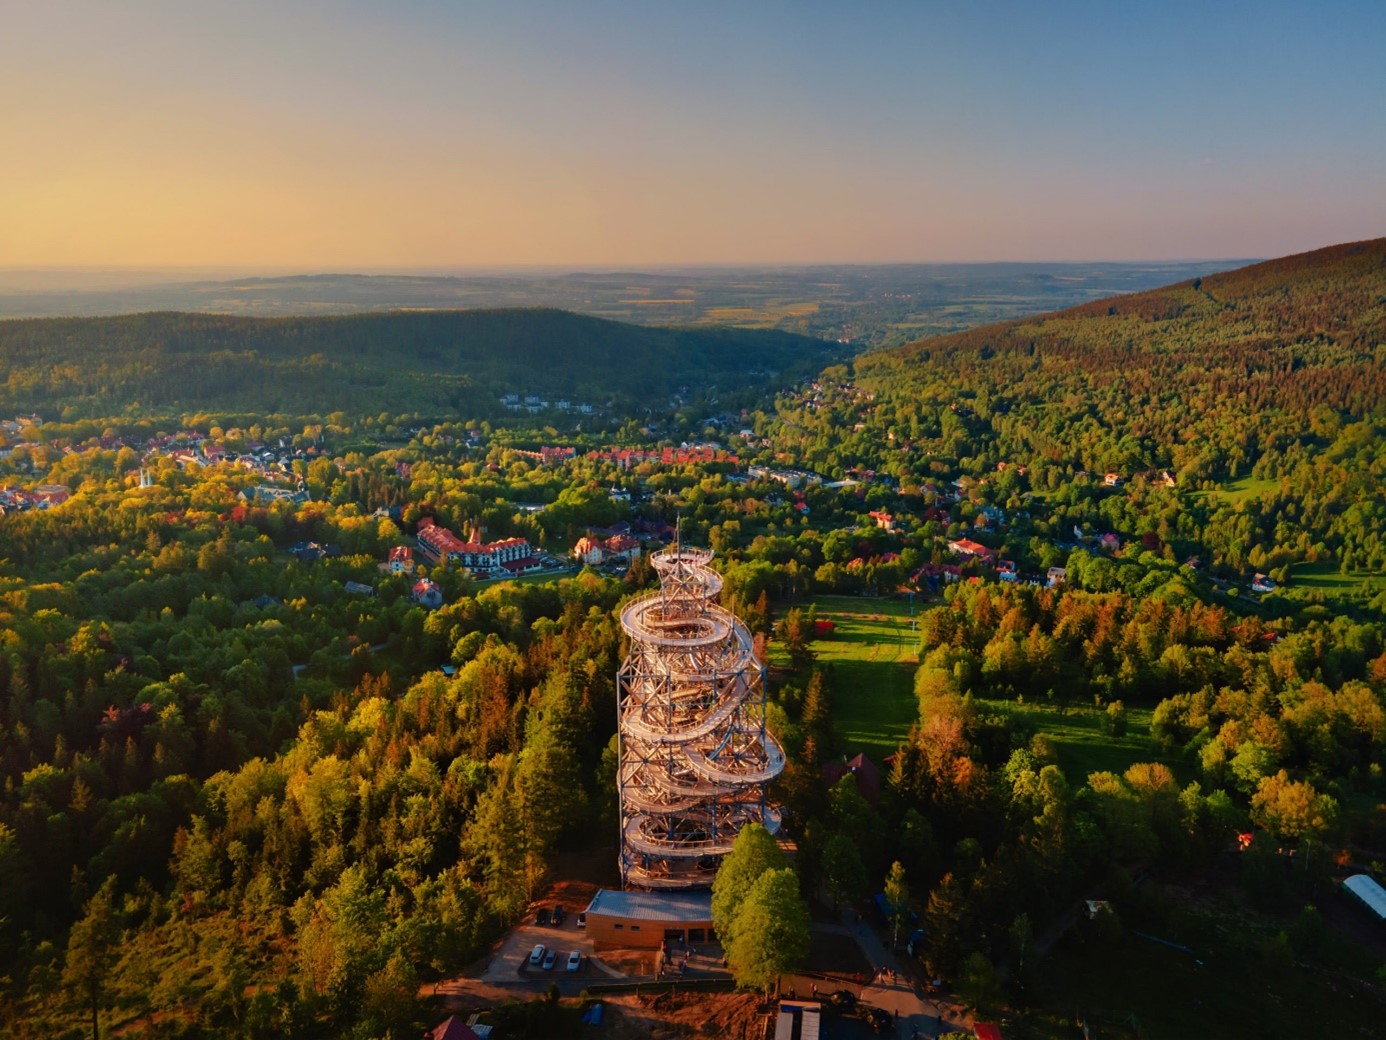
[426,593]
[884,520]
[622,547]
[617,548]
[46,495]
[588,550]
[967,547]
[401,560]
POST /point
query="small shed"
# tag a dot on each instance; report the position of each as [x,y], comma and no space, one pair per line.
[798,1020]
[1367,892]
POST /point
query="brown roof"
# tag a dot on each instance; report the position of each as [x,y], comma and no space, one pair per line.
[452,1028]
[867,775]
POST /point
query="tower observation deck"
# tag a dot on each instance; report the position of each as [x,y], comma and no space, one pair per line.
[695,756]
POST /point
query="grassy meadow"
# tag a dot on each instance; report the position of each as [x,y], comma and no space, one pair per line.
[1323,581]
[872,655]
[1245,488]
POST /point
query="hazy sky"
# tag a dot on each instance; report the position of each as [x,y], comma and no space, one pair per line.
[354,136]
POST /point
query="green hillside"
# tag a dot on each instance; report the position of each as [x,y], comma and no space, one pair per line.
[1254,399]
[426,362]
[1169,376]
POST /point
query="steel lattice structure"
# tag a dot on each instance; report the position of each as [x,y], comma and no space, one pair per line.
[694,754]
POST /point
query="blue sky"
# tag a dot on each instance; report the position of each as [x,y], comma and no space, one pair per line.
[366,136]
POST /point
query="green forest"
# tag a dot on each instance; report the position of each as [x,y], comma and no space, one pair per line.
[434,363]
[241,798]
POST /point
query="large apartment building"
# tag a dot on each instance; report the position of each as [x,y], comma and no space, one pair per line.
[438,544]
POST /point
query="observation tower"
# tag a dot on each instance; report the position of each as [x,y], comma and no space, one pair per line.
[694,753]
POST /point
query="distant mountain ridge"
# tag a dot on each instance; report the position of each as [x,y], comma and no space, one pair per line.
[426,362]
[868,304]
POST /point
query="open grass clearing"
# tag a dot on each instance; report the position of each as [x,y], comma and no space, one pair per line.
[1244,488]
[872,656]
[1327,579]
[1082,744]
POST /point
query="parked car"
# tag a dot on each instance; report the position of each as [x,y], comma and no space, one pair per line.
[542,917]
[878,1019]
[844,1000]
[537,954]
[574,960]
[549,959]
[582,919]
[558,914]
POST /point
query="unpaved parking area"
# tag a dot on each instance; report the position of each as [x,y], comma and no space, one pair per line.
[511,962]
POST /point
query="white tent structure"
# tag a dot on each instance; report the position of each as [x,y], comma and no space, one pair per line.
[1368,893]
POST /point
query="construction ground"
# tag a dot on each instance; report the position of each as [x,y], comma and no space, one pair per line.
[847,953]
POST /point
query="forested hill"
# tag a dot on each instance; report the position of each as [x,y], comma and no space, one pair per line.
[1204,377]
[401,362]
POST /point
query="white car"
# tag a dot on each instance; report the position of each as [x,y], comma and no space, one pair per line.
[574,960]
[537,954]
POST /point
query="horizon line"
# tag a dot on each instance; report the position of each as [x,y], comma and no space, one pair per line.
[369,270]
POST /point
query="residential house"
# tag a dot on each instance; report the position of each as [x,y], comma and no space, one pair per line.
[1056,576]
[976,550]
[936,575]
[990,516]
[48,495]
[588,551]
[401,560]
[619,548]
[883,520]
[426,593]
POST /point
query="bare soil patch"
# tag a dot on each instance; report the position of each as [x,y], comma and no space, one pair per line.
[683,1016]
